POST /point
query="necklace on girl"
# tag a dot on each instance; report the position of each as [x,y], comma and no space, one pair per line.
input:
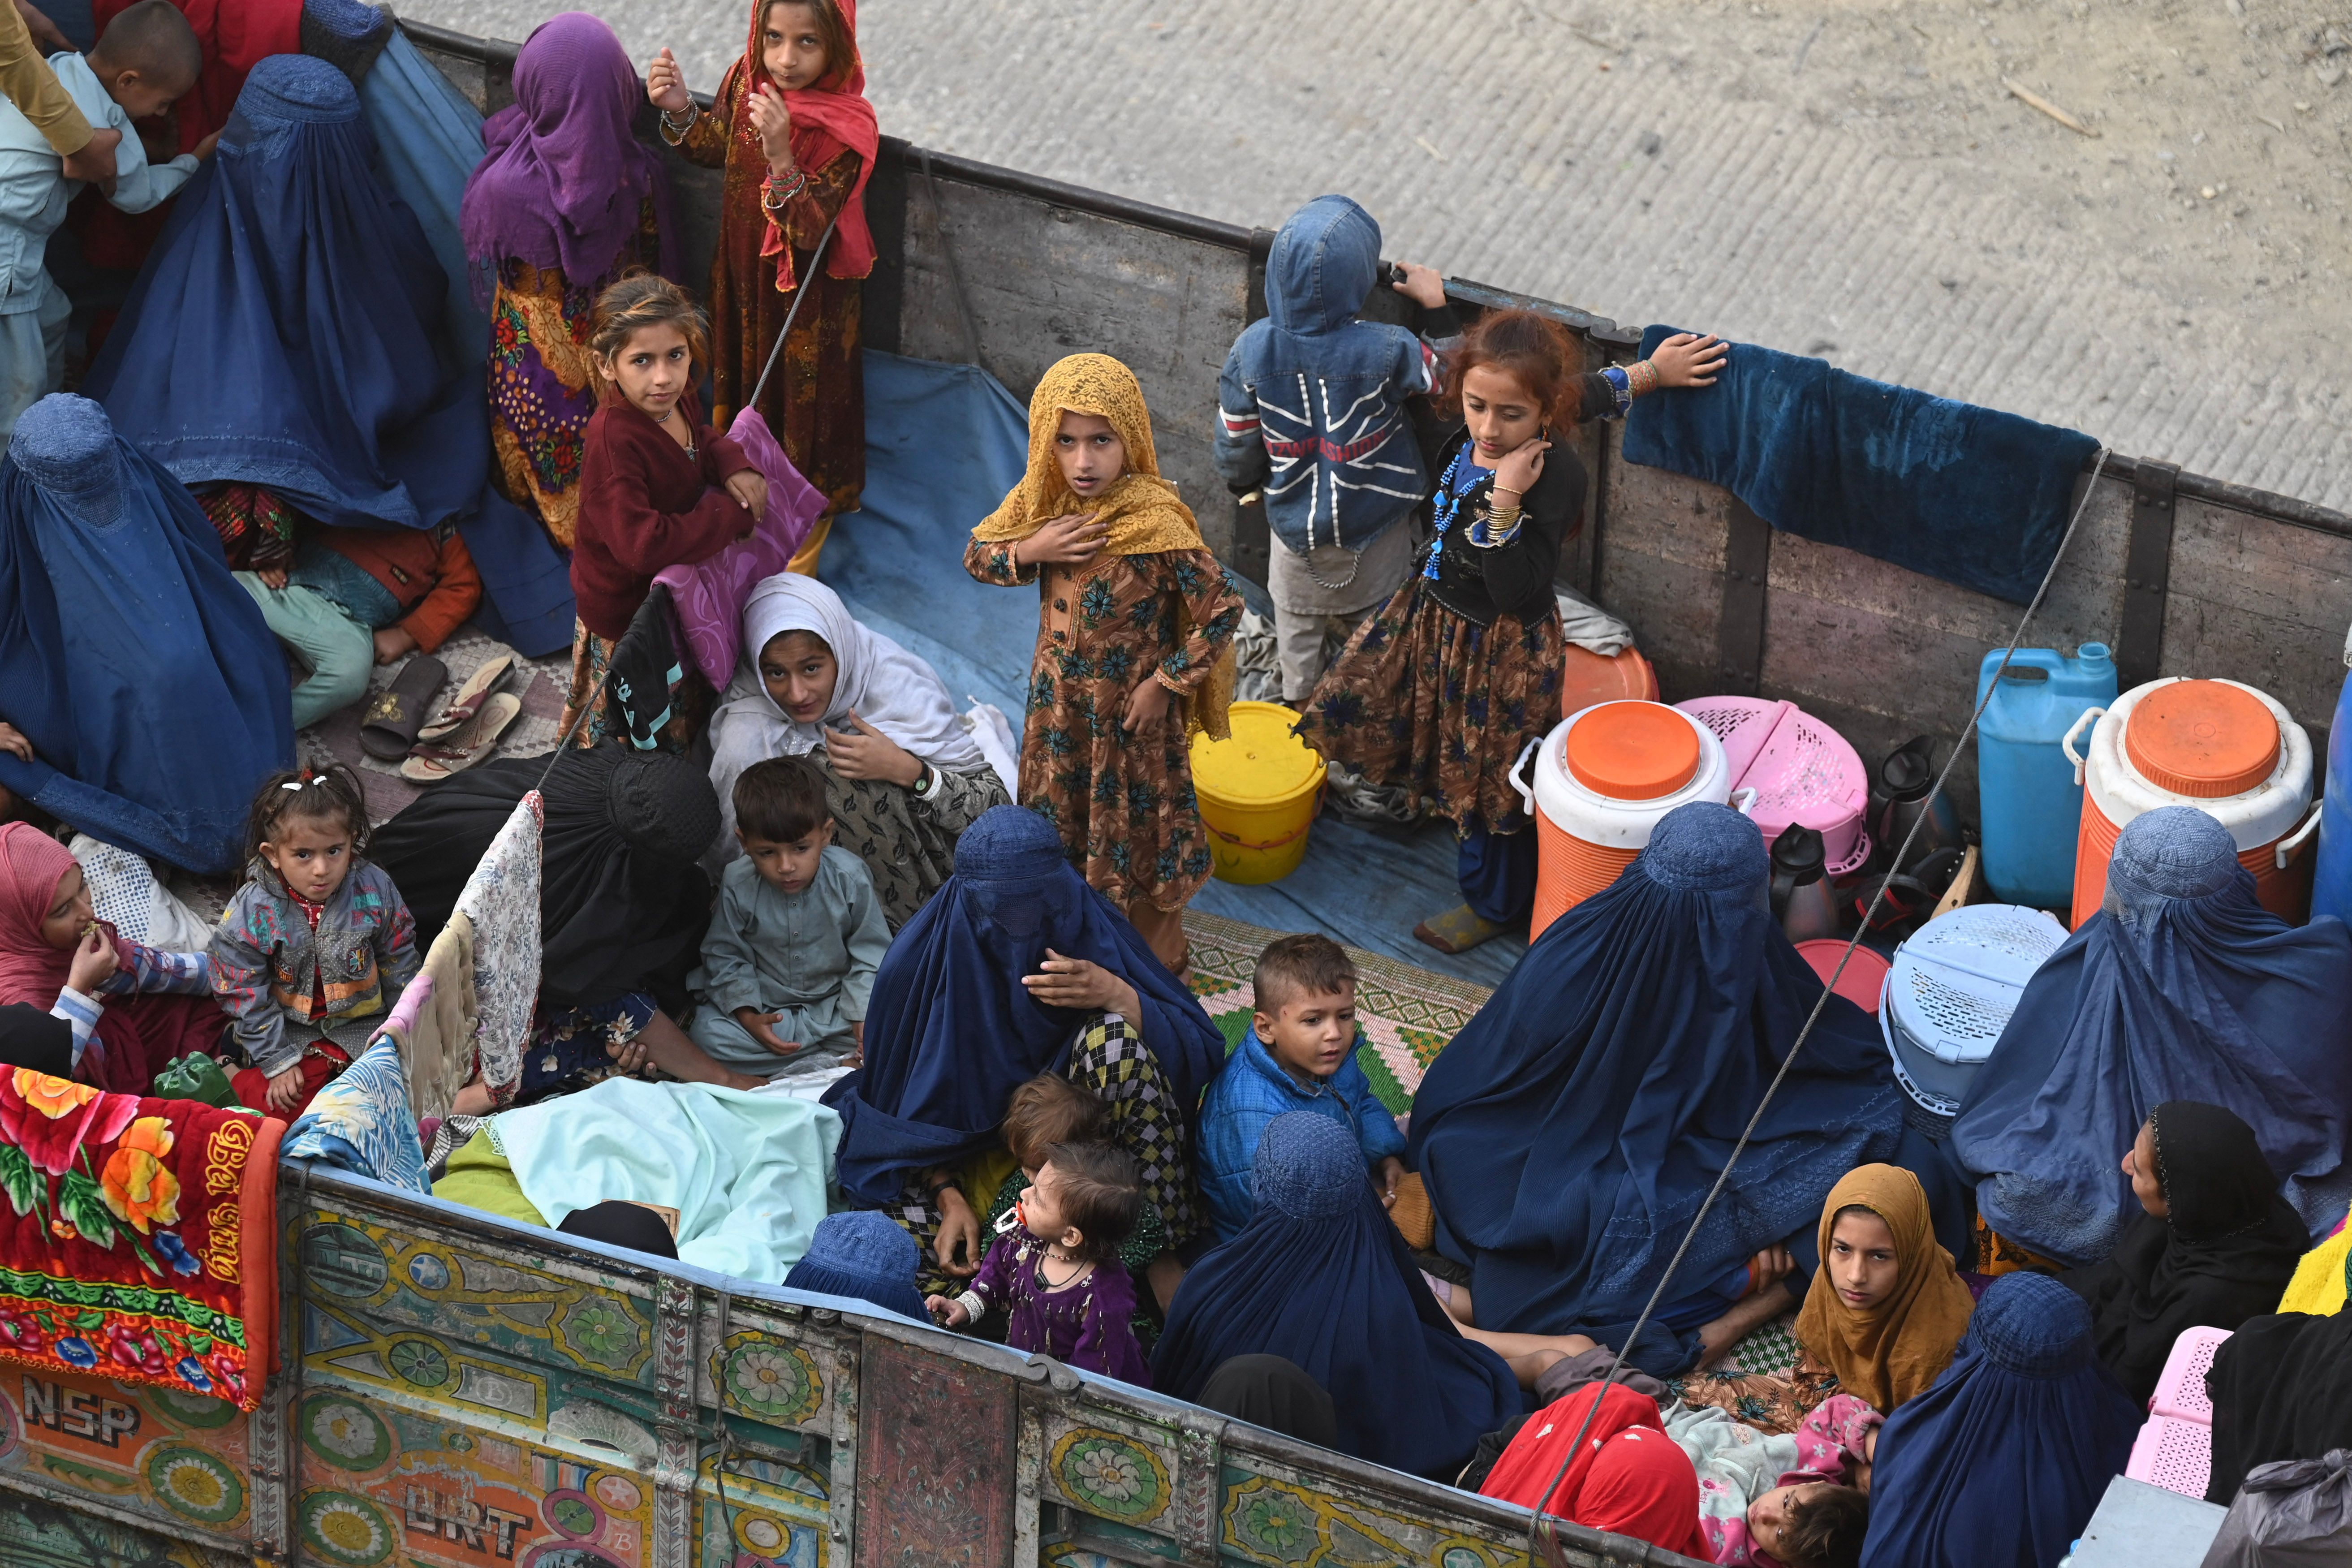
[1451,490]
[691,456]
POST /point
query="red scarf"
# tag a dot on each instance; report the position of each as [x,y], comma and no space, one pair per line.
[827,119]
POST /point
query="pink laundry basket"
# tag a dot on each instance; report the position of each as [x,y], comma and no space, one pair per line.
[1802,770]
[2175,1449]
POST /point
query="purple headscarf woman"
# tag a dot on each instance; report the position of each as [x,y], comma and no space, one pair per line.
[565,201]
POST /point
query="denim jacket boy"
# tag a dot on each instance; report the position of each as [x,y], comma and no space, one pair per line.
[1311,402]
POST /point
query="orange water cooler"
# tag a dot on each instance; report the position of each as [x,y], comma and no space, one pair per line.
[1603,777]
[2217,745]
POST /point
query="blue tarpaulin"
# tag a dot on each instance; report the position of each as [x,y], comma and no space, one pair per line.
[944,442]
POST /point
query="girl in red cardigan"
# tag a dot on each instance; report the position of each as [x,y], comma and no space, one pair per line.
[658,488]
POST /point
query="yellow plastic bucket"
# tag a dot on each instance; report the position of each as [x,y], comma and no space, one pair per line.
[1258,790]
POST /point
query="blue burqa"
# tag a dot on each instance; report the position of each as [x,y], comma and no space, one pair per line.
[285,332]
[1321,1278]
[2000,1463]
[428,139]
[1568,1134]
[153,692]
[952,1032]
[2182,987]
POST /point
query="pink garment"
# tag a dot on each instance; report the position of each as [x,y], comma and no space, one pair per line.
[31,865]
[1833,1437]
[138,1034]
[709,596]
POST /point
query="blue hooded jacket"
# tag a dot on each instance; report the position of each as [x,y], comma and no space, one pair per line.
[1311,401]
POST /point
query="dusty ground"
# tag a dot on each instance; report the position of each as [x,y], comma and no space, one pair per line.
[1845,179]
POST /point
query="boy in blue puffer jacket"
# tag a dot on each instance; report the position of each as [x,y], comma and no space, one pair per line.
[1312,414]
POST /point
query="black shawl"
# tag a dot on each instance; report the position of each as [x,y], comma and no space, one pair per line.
[622,904]
[2224,1254]
[37,1038]
[2282,1389]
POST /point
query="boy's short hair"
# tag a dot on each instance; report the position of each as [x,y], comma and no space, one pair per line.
[1826,1529]
[154,39]
[1296,967]
[780,800]
[1101,1193]
[1049,1110]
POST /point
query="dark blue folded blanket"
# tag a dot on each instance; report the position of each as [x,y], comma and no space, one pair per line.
[1970,495]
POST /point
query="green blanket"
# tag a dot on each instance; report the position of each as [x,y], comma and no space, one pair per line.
[746,1171]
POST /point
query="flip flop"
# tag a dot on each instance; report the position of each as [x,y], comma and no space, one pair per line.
[1458,930]
[395,714]
[435,761]
[469,699]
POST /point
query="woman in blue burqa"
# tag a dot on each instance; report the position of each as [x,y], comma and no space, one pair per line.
[1570,1134]
[2001,1462]
[1016,968]
[153,695]
[2181,987]
[281,353]
[1320,1278]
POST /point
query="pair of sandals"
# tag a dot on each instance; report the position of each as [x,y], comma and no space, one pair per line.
[461,735]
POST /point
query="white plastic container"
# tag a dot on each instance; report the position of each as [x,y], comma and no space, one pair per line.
[1951,991]
[2222,746]
[1603,778]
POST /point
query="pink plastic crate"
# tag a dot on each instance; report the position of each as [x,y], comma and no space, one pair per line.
[1802,770]
[2175,1449]
[2175,1455]
[2180,1391]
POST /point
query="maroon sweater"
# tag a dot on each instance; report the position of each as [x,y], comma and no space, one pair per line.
[645,506]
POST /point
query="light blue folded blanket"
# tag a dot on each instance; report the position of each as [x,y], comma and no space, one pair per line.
[746,1171]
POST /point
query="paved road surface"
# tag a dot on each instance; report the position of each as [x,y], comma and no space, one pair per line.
[1827,176]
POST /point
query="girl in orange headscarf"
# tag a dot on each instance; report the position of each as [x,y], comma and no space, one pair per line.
[1886,1309]
[1881,1319]
[1134,645]
[798,139]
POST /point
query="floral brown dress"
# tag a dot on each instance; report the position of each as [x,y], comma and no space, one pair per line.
[815,402]
[1435,702]
[543,383]
[1442,687]
[1123,802]
[1771,1403]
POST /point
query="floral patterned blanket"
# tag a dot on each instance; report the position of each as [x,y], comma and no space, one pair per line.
[139,1236]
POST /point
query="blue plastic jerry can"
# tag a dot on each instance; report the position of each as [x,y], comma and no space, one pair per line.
[2331,881]
[2031,804]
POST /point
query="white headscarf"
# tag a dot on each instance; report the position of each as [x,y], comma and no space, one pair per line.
[892,690]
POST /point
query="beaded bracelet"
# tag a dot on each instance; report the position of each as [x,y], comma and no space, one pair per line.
[775,200]
[1621,387]
[1644,378]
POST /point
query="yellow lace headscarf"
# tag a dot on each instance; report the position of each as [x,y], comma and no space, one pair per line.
[1146,515]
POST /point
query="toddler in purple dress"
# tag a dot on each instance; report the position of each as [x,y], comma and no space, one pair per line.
[1054,1268]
